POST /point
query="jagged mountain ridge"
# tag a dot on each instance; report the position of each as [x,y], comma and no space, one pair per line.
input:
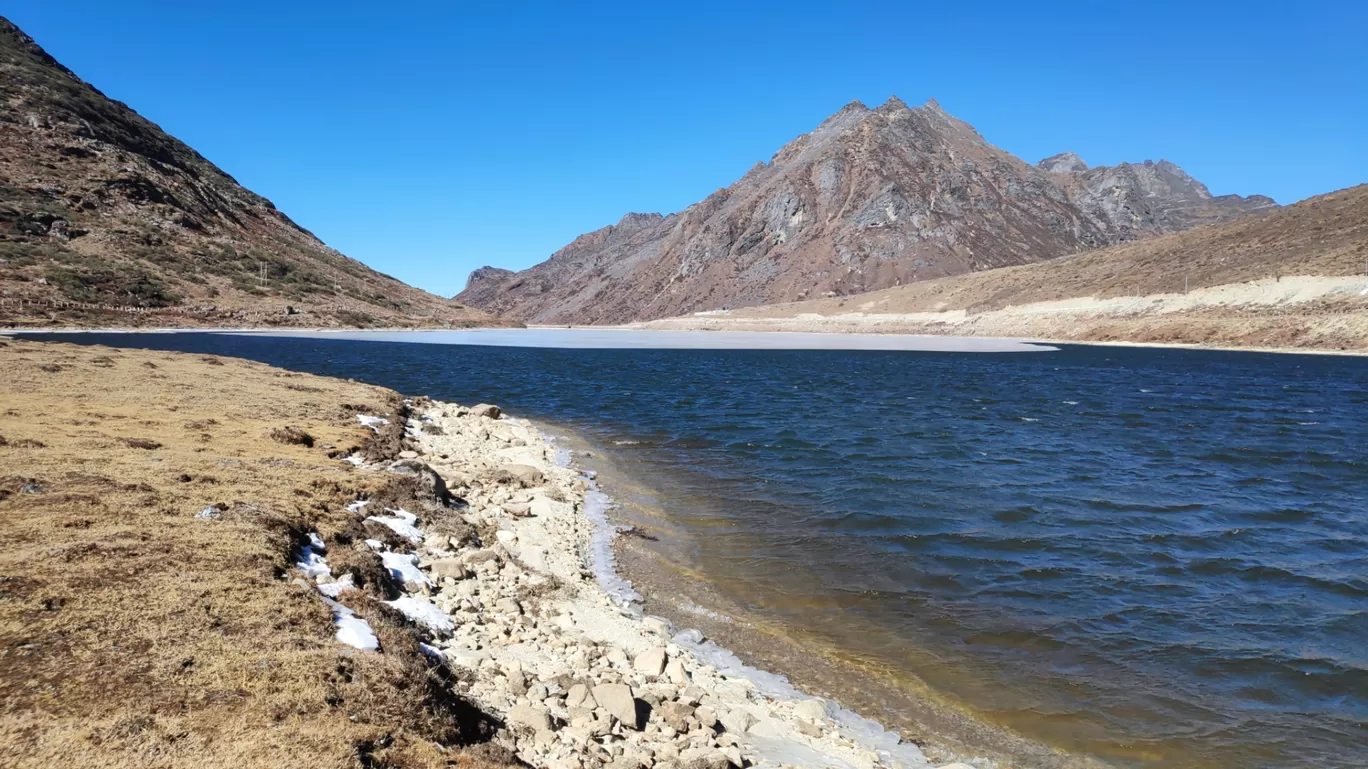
[871,198]
[105,219]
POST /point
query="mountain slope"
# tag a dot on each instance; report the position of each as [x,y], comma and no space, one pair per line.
[1289,277]
[106,219]
[871,198]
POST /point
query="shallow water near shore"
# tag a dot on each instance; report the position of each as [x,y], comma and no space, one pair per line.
[1155,557]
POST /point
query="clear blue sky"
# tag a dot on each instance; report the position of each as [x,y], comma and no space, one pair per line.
[429,138]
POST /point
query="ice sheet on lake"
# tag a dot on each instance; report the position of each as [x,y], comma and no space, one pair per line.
[613,338]
[596,505]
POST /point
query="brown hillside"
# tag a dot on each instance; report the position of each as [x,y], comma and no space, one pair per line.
[107,220]
[1324,236]
[1291,279]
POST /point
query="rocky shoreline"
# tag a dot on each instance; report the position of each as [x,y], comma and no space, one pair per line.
[514,592]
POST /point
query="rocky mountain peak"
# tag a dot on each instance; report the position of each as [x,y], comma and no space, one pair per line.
[488,274]
[1063,163]
[636,221]
[867,200]
[894,104]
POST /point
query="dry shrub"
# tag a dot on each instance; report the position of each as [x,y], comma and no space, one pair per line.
[140,443]
[293,436]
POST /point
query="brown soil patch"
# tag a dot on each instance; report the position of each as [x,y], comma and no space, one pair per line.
[134,633]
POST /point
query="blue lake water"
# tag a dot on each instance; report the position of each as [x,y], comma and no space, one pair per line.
[1158,557]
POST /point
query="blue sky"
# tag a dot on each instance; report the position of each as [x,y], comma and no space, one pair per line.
[427,138]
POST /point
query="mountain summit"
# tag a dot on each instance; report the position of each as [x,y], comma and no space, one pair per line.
[107,220]
[871,198]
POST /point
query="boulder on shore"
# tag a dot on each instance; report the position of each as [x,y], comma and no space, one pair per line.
[617,701]
[486,410]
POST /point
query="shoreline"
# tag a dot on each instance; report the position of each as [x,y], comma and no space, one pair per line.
[544,527]
[945,729]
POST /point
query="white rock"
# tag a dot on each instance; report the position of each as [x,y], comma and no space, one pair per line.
[651,663]
[812,710]
[676,673]
[657,625]
[617,701]
[737,720]
[486,410]
[531,716]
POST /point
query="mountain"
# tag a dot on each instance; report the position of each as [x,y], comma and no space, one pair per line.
[1134,201]
[1286,277]
[107,220]
[870,199]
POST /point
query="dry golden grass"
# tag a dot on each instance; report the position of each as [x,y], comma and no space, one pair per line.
[134,634]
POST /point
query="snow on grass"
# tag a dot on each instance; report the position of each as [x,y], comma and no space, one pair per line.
[424,613]
[355,459]
[337,587]
[311,563]
[404,567]
[371,421]
[351,629]
[357,506]
[402,522]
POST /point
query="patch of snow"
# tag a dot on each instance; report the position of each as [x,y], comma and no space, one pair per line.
[210,513]
[337,587]
[375,544]
[404,567]
[355,459]
[351,629]
[316,542]
[424,613]
[431,651]
[372,422]
[312,564]
[402,523]
[358,505]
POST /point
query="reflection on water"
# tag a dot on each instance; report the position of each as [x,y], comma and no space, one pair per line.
[1160,557]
